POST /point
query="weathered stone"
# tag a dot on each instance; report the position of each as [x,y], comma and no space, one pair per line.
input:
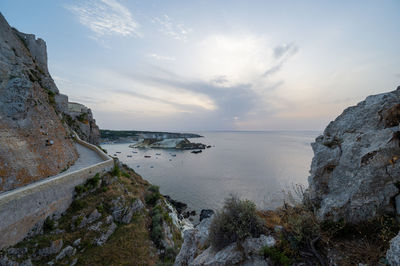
[95,215]
[77,242]
[393,254]
[104,237]
[53,249]
[26,111]
[229,255]
[355,166]
[253,246]
[193,239]
[122,210]
[68,251]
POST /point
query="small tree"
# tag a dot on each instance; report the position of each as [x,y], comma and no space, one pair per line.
[236,221]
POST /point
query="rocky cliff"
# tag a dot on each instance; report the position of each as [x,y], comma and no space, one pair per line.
[35,140]
[34,143]
[355,172]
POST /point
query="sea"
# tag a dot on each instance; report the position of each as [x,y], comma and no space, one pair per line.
[267,168]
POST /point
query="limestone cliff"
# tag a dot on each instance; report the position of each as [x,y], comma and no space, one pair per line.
[355,172]
[35,141]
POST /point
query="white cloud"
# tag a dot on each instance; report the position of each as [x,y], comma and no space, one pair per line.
[161,57]
[105,17]
[178,31]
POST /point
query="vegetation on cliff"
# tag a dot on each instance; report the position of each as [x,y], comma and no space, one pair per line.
[106,224]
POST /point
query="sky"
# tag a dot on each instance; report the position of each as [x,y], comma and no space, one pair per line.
[216,65]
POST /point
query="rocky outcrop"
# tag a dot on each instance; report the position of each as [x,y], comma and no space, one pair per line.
[393,254]
[80,119]
[34,143]
[194,250]
[355,172]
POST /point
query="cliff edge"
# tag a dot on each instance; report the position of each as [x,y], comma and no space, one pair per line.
[355,172]
[35,119]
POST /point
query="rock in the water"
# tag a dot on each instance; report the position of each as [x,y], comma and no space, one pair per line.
[355,166]
[393,254]
[204,214]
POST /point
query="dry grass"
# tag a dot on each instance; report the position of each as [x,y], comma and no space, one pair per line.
[305,239]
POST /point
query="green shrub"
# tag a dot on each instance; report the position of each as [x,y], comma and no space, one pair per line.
[93,182]
[79,190]
[154,189]
[236,221]
[152,195]
[116,171]
[276,255]
[48,224]
[125,174]
[78,205]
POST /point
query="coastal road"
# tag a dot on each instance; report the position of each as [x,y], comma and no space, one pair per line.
[87,158]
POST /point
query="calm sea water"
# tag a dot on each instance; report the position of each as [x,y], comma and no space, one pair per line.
[254,165]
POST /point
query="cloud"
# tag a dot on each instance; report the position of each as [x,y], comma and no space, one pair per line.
[178,31]
[105,18]
[161,57]
[281,54]
[284,49]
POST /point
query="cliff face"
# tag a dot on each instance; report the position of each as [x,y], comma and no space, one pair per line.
[34,141]
[355,172]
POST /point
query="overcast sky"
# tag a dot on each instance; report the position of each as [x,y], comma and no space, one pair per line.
[216,65]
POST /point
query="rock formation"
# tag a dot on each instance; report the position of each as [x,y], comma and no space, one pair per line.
[34,143]
[355,172]
[35,119]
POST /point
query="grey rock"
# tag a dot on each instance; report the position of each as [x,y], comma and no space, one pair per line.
[17,252]
[229,255]
[95,215]
[74,262]
[5,261]
[192,240]
[104,237]
[27,262]
[77,242]
[355,166]
[68,251]
[54,248]
[393,253]
[253,246]
[122,210]
[95,227]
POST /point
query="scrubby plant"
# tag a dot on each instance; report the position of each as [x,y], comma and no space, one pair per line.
[78,205]
[93,182]
[79,190]
[116,171]
[236,221]
[48,224]
[152,195]
[277,256]
[156,226]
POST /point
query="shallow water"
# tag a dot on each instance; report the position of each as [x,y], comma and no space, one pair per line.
[254,165]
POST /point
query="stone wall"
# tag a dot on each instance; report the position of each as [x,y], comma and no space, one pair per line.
[24,208]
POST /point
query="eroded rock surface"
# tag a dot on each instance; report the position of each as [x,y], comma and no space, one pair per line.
[34,143]
[355,169]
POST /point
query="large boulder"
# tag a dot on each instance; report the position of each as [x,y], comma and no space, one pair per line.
[393,254]
[355,171]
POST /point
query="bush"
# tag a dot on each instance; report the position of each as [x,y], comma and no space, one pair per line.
[116,171]
[48,224]
[152,195]
[93,182]
[236,221]
[276,256]
[78,205]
